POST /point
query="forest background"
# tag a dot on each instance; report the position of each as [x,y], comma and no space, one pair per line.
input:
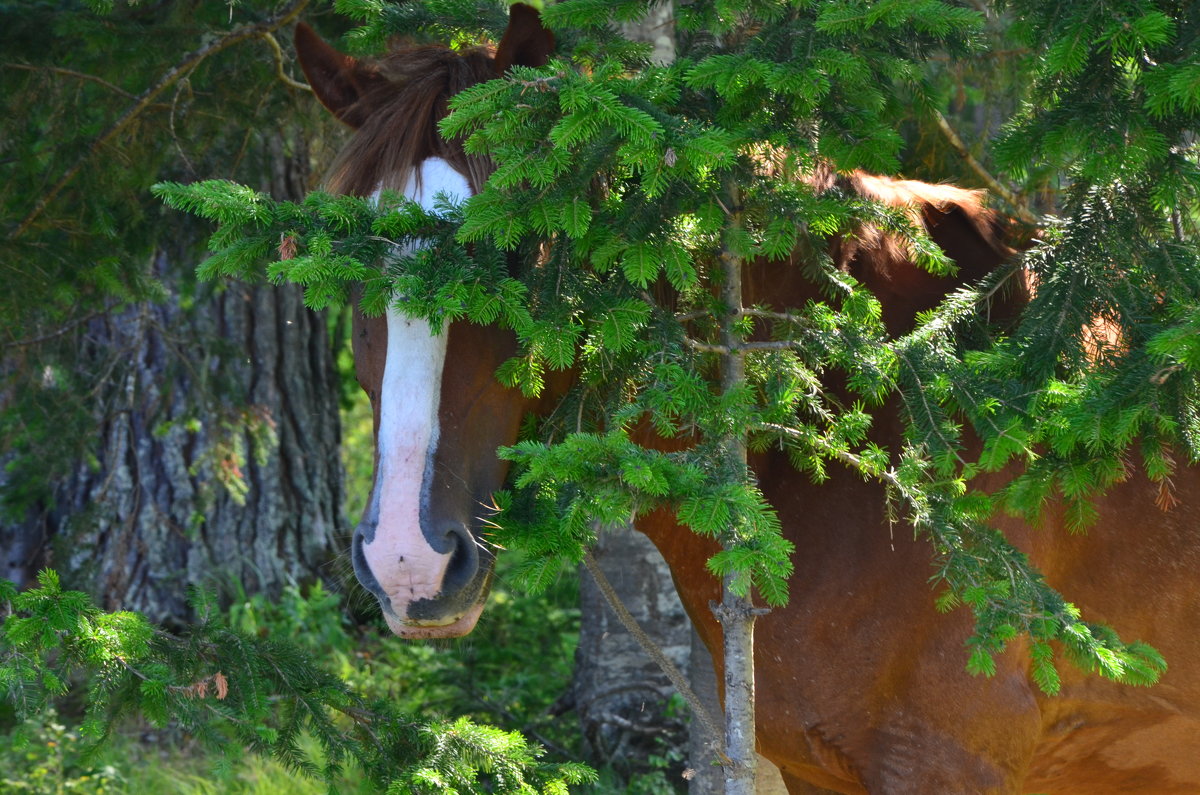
[158,432]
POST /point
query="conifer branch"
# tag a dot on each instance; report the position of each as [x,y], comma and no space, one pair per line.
[144,100]
[845,456]
[782,317]
[30,341]
[58,70]
[759,345]
[277,54]
[705,347]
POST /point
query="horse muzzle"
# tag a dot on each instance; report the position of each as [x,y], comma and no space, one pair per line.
[429,585]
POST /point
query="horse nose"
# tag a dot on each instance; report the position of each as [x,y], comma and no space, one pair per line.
[362,570]
[454,571]
[463,565]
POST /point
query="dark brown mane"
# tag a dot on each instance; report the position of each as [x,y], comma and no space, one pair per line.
[406,96]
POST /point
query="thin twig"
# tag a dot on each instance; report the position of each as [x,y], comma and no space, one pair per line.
[997,187]
[58,70]
[651,648]
[187,161]
[845,456]
[705,347]
[760,345]
[277,53]
[784,317]
[186,65]
[51,335]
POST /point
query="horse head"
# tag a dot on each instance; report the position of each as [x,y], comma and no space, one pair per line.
[439,414]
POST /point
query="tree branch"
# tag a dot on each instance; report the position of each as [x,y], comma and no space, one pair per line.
[28,341]
[993,184]
[71,73]
[651,648]
[189,62]
[762,345]
[277,53]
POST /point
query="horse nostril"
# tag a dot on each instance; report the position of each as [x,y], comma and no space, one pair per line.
[362,570]
[464,559]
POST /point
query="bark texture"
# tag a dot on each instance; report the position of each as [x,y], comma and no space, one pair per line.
[216,457]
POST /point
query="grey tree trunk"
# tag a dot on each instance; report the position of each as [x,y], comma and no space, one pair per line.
[622,697]
[216,458]
[707,777]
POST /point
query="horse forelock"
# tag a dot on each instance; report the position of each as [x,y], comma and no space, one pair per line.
[401,110]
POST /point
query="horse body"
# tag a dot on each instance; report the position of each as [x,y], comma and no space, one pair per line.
[862,687]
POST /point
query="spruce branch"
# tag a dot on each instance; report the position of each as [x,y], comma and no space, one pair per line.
[758,345]
[59,332]
[277,54]
[58,70]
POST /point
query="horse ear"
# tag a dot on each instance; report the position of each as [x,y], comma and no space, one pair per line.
[526,42]
[338,80]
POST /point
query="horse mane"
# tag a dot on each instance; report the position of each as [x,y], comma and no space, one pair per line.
[401,110]
[927,205]
[971,234]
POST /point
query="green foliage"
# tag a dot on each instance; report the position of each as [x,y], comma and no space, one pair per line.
[646,180]
[44,757]
[232,690]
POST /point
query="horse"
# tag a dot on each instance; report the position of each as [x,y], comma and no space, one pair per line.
[861,684]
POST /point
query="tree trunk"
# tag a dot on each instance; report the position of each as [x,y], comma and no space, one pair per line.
[707,777]
[622,697]
[216,458]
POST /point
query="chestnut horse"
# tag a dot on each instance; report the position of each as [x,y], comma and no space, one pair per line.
[861,684]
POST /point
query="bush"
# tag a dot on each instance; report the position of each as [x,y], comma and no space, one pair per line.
[233,689]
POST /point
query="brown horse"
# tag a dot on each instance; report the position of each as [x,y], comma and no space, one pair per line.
[861,684]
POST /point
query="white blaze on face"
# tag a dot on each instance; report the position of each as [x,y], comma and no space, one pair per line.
[401,558]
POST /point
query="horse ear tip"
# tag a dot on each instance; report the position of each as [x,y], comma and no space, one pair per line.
[304,33]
